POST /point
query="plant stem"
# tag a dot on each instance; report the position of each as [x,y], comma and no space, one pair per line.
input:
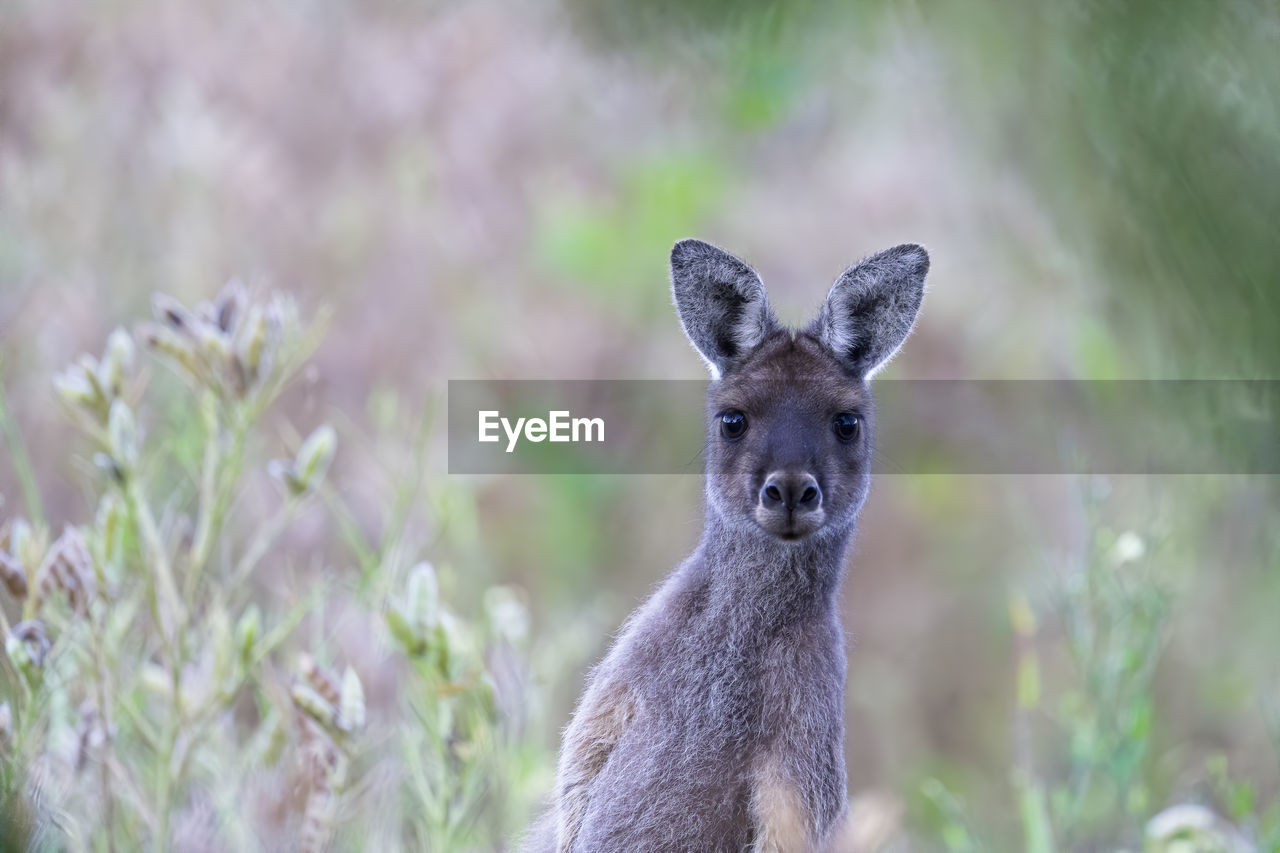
[8,662]
[262,542]
[349,530]
[104,706]
[1036,827]
[164,796]
[166,592]
[202,542]
[129,790]
[163,600]
[21,460]
[214,512]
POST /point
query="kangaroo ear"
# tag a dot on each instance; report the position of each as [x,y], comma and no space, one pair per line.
[872,307]
[721,303]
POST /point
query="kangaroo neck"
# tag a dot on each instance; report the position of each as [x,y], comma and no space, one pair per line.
[767,578]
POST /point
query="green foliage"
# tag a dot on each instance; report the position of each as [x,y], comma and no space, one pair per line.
[1083,752]
[1115,614]
[1155,133]
[1241,803]
[945,817]
[613,249]
[147,685]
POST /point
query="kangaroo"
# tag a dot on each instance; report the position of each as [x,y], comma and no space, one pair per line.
[716,720]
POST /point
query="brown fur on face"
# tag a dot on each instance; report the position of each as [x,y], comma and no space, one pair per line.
[790,389]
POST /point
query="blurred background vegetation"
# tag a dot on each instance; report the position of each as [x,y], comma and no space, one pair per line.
[490,190]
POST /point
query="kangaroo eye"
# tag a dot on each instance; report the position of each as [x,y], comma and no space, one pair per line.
[733,425]
[846,426]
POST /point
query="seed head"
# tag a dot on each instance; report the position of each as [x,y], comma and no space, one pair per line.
[1192,827]
[116,363]
[68,567]
[228,345]
[229,307]
[109,525]
[320,679]
[247,630]
[179,349]
[214,343]
[251,343]
[1129,548]
[314,705]
[122,437]
[508,617]
[12,575]
[171,312]
[315,456]
[423,598]
[25,545]
[306,471]
[27,646]
[351,706]
[454,645]
[76,390]
[403,632]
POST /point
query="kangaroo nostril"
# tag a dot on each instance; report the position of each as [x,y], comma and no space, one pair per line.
[791,490]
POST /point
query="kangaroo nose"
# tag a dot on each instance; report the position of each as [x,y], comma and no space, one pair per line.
[791,489]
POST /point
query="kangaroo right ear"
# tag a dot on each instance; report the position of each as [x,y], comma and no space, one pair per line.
[872,307]
[721,303]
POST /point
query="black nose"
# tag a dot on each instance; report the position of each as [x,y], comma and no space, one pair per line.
[792,489]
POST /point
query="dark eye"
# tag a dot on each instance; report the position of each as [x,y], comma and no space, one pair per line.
[847,426]
[733,425]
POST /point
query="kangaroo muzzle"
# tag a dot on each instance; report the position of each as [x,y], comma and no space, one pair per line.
[790,504]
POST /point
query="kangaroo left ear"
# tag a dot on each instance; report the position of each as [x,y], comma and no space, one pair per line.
[872,307]
[721,303]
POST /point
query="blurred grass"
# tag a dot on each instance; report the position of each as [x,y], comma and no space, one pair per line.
[1156,135]
[121,730]
[612,250]
[491,191]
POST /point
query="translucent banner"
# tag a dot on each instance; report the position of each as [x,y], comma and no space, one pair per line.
[921,427]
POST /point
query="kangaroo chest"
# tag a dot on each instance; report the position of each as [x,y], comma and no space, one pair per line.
[722,684]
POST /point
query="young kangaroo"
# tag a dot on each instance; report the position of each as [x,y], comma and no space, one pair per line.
[716,721]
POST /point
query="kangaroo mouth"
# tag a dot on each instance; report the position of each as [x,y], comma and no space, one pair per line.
[789,525]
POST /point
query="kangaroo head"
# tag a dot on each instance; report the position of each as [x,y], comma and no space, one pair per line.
[789,412]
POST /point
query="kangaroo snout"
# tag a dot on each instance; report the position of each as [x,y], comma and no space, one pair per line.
[793,490]
[790,504]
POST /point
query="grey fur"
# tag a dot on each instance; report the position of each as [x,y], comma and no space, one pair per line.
[721,303]
[871,308]
[716,720]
